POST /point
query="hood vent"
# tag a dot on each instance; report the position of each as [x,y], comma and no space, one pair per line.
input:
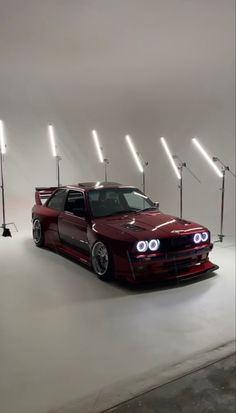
[133,227]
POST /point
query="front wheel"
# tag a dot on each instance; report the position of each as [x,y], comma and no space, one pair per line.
[38,235]
[102,261]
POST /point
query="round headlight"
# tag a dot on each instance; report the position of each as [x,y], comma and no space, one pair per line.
[204,236]
[142,246]
[197,238]
[154,244]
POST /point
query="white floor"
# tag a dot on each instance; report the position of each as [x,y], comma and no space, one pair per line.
[64,334]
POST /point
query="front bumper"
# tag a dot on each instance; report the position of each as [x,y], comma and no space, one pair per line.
[170,265]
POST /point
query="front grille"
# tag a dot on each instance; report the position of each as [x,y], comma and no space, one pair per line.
[175,244]
[181,264]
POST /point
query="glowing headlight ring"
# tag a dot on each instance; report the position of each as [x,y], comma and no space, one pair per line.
[197,238]
[154,244]
[204,236]
[142,246]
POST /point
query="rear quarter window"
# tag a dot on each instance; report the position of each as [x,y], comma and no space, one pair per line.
[57,201]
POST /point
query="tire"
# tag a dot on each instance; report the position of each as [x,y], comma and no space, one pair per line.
[102,261]
[38,235]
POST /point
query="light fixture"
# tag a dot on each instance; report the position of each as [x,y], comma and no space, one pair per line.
[52,140]
[2,139]
[200,237]
[178,171]
[154,244]
[207,157]
[142,246]
[54,150]
[6,231]
[221,173]
[197,238]
[141,164]
[134,153]
[99,149]
[224,169]
[163,141]
[204,236]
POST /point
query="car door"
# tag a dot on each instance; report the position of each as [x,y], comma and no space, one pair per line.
[72,223]
[51,211]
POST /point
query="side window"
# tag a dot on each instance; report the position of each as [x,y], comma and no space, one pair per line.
[94,195]
[58,200]
[75,203]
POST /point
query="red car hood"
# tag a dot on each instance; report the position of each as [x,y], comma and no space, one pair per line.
[145,225]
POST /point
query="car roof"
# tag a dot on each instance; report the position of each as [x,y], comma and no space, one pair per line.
[86,186]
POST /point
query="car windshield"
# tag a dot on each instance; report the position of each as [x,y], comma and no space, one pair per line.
[113,201]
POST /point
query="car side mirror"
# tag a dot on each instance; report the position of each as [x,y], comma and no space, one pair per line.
[157,205]
[79,212]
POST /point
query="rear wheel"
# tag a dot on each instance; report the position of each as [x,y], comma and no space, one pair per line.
[102,261]
[38,235]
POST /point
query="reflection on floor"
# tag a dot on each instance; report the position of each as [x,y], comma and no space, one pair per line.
[65,335]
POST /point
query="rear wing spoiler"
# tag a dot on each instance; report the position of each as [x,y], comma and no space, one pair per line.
[43,193]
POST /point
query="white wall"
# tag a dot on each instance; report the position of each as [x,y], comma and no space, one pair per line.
[149,68]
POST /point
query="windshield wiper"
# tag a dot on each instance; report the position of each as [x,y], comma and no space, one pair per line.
[148,209]
[123,211]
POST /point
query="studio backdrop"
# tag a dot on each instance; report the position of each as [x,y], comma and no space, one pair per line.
[141,68]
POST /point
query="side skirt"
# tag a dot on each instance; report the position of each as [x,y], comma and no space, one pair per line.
[78,255]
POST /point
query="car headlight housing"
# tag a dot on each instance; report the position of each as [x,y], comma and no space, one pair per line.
[154,244]
[197,238]
[142,246]
[204,236]
[200,237]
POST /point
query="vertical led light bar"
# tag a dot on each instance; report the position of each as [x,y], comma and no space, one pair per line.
[134,153]
[54,151]
[99,150]
[2,139]
[138,159]
[98,146]
[170,157]
[207,157]
[52,140]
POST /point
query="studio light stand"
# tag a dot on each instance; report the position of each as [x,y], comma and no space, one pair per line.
[6,231]
[221,173]
[141,164]
[106,163]
[224,169]
[180,167]
[58,172]
[144,165]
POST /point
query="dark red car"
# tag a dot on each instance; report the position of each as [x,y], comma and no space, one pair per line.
[119,232]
